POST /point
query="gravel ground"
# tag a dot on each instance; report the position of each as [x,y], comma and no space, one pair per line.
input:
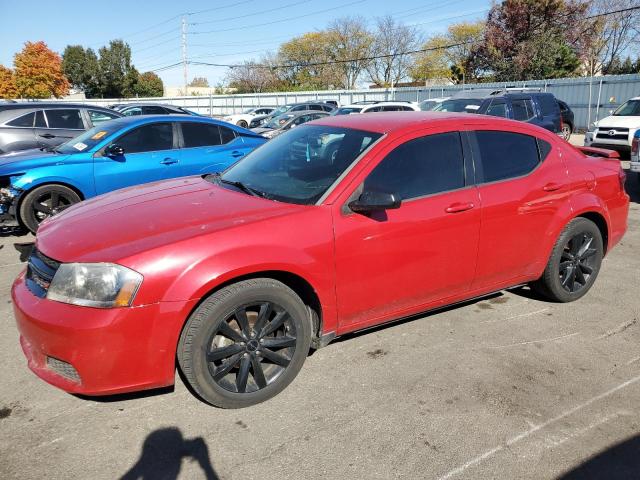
[504,387]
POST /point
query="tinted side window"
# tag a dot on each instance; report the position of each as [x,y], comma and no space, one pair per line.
[391,108]
[407,109]
[154,111]
[506,154]
[522,110]
[327,108]
[497,110]
[65,118]
[148,138]
[227,134]
[23,120]
[299,108]
[548,104]
[200,134]
[422,166]
[40,121]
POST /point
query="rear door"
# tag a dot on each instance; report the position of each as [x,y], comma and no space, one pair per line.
[150,154]
[208,148]
[63,124]
[19,133]
[522,184]
[550,112]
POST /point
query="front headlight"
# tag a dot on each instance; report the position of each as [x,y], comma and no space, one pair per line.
[100,285]
[592,127]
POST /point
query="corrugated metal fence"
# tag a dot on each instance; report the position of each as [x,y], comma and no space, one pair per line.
[591,98]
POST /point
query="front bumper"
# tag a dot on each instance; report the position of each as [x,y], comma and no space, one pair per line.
[8,207]
[111,350]
[634,165]
[620,145]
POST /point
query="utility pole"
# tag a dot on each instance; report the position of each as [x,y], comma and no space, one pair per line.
[184,53]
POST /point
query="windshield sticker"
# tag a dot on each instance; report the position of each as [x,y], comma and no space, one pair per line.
[80,146]
[99,135]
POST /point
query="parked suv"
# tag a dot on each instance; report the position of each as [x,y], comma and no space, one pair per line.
[616,131]
[46,124]
[259,121]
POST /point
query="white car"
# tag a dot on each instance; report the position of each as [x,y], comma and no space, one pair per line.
[635,153]
[369,106]
[244,119]
[616,131]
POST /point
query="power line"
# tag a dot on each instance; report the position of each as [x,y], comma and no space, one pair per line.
[244,27]
[251,14]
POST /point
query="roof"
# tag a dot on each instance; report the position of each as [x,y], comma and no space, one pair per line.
[375,103]
[388,122]
[142,119]
[30,105]
[148,104]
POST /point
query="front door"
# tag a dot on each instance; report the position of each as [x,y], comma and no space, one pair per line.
[150,154]
[63,124]
[396,262]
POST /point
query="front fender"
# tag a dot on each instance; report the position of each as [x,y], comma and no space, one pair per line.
[82,182]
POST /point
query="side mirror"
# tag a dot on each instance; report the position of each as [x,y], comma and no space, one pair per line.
[370,201]
[114,150]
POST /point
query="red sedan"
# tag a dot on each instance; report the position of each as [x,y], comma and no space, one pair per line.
[335,226]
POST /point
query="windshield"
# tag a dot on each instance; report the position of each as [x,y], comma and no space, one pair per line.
[89,139]
[347,110]
[301,164]
[280,110]
[628,109]
[470,105]
[279,121]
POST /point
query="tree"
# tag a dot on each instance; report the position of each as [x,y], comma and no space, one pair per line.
[8,87]
[390,39]
[350,46]
[527,39]
[149,85]
[251,77]
[304,62]
[81,69]
[117,75]
[432,64]
[38,72]
[199,82]
[612,34]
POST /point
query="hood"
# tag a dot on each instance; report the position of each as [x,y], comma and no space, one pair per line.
[26,159]
[261,130]
[134,220]
[619,121]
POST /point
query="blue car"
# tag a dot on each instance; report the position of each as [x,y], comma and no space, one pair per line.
[35,184]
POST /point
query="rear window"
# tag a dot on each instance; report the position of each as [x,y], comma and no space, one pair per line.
[522,109]
[506,154]
[23,120]
[227,135]
[68,119]
[200,134]
[548,104]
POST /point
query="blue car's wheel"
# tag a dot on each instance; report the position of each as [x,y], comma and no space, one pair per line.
[44,201]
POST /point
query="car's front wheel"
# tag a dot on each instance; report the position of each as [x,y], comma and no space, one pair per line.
[44,201]
[574,263]
[245,343]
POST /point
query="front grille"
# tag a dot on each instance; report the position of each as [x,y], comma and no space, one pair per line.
[63,369]
[620,133]
[40,272]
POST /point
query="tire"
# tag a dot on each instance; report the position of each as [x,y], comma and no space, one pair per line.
[43,202]
[567,129]
[242,123]
[574,262]
[229,362]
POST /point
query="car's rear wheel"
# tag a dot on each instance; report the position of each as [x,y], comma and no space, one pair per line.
[43,202]
[245,343]
[242,123]
[566,131]
[574,263]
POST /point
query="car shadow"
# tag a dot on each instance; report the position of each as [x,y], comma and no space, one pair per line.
[163,452]
[618,462]
[632,185]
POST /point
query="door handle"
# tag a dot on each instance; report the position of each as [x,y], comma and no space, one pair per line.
[169,161]
[459,207]
[237,154]
[552,187]
[48,135]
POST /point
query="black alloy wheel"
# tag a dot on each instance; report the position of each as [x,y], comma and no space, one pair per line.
[43,202]
[577,262]
[245,343]
[251,347]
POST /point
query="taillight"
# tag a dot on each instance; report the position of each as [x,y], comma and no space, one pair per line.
[634,145]
[622,176]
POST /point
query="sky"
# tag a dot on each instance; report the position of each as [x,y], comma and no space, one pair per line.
[219,31]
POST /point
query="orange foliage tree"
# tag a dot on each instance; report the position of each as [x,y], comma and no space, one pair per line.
[7,83]
[38,72]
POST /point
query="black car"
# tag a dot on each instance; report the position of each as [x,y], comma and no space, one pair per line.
[320,106]
[46,124]
[568,120]
[129,109]
[539,108]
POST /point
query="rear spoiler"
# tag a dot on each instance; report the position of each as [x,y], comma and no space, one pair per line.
[599,152]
